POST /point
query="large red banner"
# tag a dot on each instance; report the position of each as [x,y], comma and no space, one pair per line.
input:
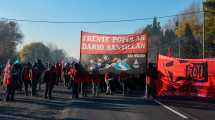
[185,77]
[92,43]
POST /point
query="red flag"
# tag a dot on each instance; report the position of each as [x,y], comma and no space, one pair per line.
[185,77]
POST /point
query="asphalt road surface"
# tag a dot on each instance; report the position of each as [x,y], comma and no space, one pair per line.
[115,107]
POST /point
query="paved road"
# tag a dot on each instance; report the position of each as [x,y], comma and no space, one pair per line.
[114,107]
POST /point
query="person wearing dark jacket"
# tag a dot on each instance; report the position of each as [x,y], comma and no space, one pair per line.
[95,82]
[150,73]
[18,71]
[84,83]
[41,68]
[50,78]
[66,76]
[15,69]
[35,79]
[58,68]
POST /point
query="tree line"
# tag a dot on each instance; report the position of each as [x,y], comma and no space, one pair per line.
[182,36]
[11,36]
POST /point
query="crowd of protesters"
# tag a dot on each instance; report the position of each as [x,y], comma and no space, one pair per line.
[16,77]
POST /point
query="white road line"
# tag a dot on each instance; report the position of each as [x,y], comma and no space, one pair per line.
[172,110]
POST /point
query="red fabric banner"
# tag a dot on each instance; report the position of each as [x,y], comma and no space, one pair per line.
[185,77]
[92,43]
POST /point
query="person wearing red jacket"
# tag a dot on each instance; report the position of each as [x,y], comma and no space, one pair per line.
[27,77]
[7,81]
[75,78]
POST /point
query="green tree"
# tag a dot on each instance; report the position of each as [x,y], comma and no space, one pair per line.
[188,33]
[169,41]
[10,37]
[34,51]
[57,55]
[190,46]
[155,34]
[193,20]
[209,7]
